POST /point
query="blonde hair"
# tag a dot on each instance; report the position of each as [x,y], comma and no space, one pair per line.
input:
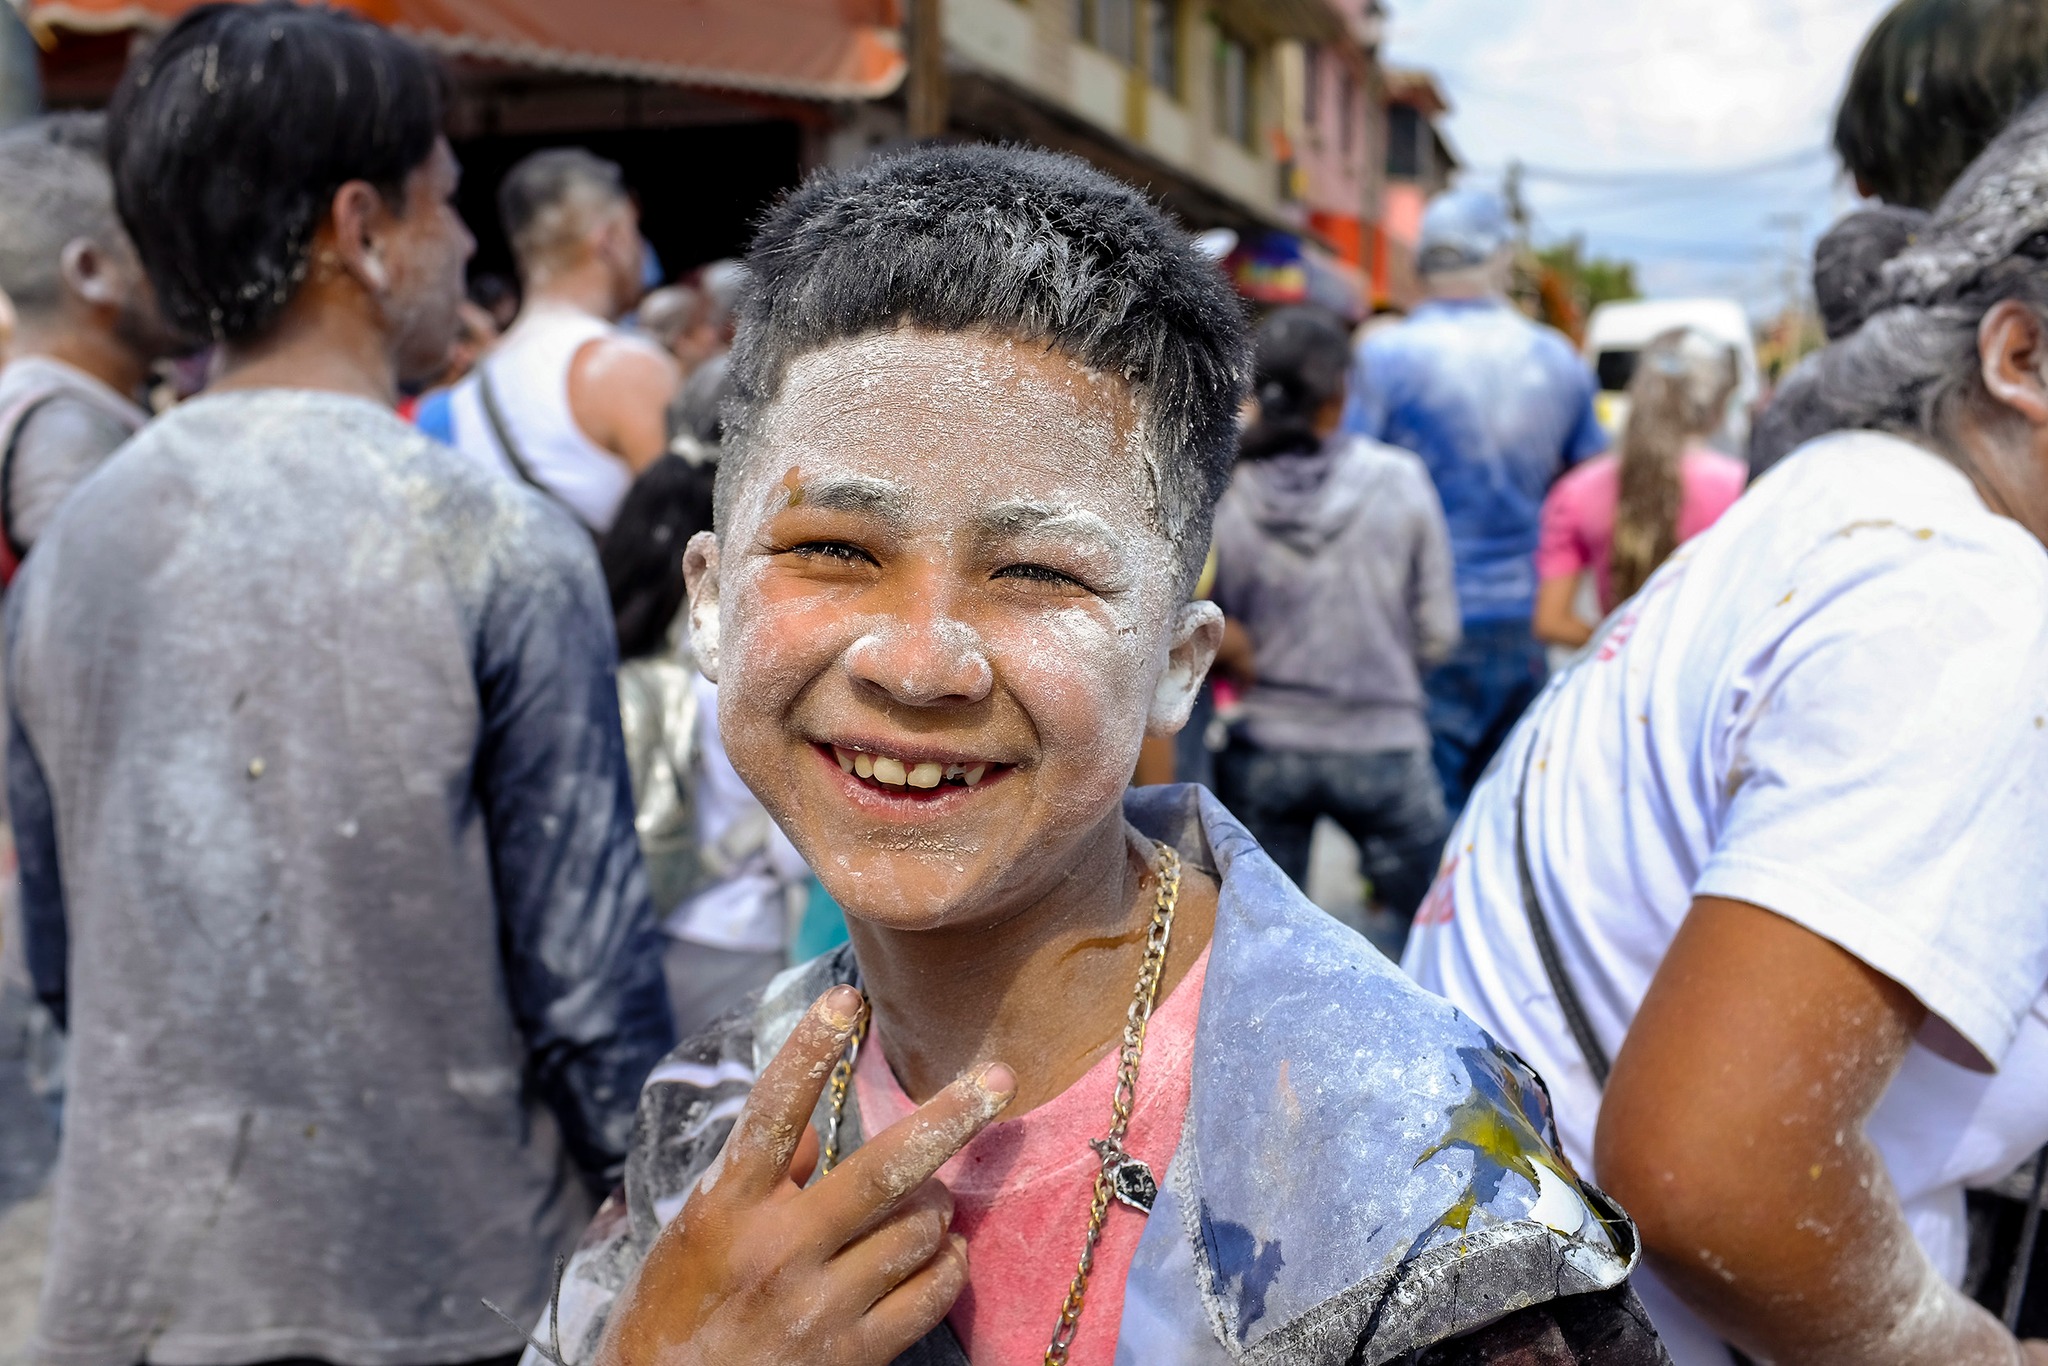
[1680,393]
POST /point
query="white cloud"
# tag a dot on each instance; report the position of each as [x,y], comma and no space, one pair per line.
[1621,86]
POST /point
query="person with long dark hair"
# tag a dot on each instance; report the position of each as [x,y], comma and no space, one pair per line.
[1332,555]
[1619,516]
[327,862]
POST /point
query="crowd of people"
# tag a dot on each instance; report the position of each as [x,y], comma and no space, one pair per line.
[639,827]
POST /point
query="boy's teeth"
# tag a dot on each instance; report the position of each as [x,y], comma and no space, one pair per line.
[923,773]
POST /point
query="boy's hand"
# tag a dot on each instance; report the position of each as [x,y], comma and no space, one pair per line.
[852,1271]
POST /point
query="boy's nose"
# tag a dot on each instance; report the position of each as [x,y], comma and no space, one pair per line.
[923,662]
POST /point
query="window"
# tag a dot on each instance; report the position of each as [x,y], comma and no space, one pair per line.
[1616,369]
[1404,142]
[1111,25]
[1162,46]
[1233,88]
[1311,84]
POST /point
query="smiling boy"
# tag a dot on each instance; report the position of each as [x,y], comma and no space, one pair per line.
[985,402]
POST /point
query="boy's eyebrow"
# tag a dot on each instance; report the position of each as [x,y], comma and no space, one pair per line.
[1022,515]
[874,497]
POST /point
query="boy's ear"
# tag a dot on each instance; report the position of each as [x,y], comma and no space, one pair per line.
[1196,636]
[700,576]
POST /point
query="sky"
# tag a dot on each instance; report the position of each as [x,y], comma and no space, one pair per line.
[1687,136]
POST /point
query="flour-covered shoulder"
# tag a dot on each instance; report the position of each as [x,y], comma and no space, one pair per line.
[1883,753]
[1364,1173]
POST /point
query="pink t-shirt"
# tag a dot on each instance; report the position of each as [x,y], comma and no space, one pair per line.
[1022,1190]
[1578,516]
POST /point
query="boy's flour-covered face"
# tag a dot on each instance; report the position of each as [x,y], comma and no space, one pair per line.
[942,616]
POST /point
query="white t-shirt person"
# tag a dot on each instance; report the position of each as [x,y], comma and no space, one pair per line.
[1833,704]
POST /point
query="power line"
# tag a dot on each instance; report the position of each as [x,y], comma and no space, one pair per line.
[1728,252]
[1649,174]
[1603,202]
[1555,61]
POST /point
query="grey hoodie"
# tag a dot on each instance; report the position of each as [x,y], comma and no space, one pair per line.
[1338,563]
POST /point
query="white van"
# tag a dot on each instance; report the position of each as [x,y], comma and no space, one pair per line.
[1618,333]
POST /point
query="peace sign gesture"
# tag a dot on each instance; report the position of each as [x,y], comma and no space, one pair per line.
[849,1272]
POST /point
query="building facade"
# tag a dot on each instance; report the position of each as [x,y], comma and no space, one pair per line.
[1419,165]
[1340,134]
[1272,119]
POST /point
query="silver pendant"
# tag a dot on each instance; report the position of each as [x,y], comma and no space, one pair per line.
[1130,1180]
[1133,1183]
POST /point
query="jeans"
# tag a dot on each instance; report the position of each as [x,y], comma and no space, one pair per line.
[1389,802]
[1475,698]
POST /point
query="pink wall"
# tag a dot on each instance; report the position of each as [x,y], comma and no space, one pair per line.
[1402,219]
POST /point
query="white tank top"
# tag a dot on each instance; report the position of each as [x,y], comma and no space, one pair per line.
[529,374]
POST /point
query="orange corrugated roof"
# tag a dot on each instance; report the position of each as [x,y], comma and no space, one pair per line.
[812,49]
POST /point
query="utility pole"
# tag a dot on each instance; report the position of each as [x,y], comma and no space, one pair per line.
[1518,206]
[926,95]
[1791,327]
[1794,227]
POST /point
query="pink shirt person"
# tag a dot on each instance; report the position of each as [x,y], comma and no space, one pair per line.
[1578,516]
[1022,1189]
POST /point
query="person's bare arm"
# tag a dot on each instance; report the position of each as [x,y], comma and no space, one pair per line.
[1556,623]
[1732,1130]
[619,391]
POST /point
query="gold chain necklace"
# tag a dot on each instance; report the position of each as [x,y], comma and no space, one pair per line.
[1121,1176]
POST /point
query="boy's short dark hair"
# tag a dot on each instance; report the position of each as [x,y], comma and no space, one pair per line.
[1934,84]
[230,136]
[1027,244]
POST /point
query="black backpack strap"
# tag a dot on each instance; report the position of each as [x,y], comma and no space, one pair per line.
[1567,995]
[1568,1001]
[502,431]
[14,545]
[2030,1232]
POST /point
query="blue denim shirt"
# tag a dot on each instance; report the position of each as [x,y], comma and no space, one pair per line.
[1498,408]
